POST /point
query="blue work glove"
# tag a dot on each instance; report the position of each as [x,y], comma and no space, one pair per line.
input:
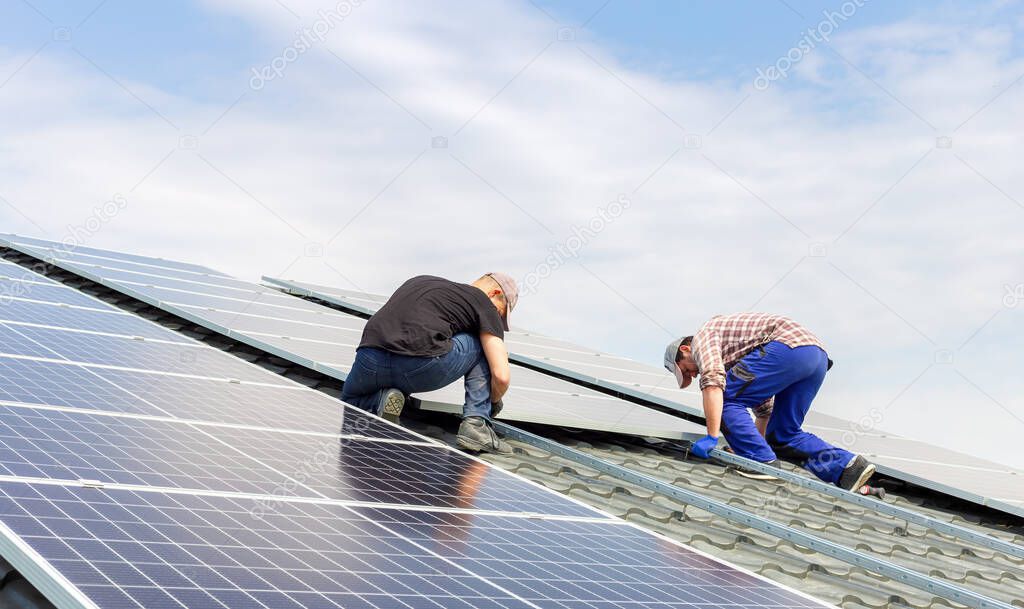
[703,447]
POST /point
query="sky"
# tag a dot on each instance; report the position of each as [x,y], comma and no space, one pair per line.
[640,166]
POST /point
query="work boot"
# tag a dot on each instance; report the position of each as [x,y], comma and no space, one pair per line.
[477,435]
[856,474]
[390,406]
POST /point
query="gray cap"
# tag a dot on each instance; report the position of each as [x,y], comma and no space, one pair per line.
[671,353]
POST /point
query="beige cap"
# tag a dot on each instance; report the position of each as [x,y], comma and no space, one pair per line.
[509,289]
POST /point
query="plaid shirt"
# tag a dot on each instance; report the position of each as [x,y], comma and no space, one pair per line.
[726,339]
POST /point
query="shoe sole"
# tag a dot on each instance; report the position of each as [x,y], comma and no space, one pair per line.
[477,446]
[393,407]
[863,478]
[756,475]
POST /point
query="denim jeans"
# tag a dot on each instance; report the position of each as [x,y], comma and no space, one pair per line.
[376,370]
[793,376]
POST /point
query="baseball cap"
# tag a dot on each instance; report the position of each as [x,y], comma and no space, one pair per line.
[671,352]
[509,289]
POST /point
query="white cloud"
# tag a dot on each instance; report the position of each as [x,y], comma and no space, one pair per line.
[323,148]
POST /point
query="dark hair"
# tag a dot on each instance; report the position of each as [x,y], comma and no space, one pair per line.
[686,342]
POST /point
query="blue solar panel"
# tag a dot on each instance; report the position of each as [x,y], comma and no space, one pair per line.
[113,322]
[584,564]
[286,407]
[403,474]
[181,358]
[81,252]
[129,550]
[160,276]
[68,385]
[13,342]
[46,292]
[147,549]
[72,445]
[293,407]
[13,271]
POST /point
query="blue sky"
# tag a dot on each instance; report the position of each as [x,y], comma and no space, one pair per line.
[163,41]
[827,195]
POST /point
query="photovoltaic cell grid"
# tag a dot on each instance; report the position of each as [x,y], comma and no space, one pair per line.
[918,462]
[24,312]
[74,445]
[296,408]
[150,548]
[326,340]
[133,549]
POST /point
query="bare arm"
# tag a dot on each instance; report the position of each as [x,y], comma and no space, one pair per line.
[762,425]
[713,408]
[497,359]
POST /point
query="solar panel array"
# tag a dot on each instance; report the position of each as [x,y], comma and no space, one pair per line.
[927,465]
[204,481]
[325,340]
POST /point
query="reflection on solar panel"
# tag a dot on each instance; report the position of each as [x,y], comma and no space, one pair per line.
[325,340]
[927,465]
[202,551]
[131,483]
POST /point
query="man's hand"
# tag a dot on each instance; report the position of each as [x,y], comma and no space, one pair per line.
[703,447]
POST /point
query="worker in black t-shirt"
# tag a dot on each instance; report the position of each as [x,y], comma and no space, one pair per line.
[430,333]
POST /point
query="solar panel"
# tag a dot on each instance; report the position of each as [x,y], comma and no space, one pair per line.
[46,292]
[73,445]
[924,464]
[126,549]
[16,312]
[110,350]
[112,496]
[325,340]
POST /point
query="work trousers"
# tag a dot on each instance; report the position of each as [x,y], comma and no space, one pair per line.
[376,370]
[793,376]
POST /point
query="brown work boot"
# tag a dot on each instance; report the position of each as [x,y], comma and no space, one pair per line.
[477,435]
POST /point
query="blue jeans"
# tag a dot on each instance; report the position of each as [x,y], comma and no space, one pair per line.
[376,370]
[793,376]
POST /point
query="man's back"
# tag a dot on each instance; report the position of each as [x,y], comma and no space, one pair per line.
[425,312]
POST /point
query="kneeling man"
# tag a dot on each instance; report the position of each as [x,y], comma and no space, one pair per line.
[430,333]
[772,366]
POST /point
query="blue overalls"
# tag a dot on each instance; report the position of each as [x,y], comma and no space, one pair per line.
[793,376]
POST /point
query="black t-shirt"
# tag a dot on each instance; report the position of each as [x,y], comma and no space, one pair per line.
[424,313]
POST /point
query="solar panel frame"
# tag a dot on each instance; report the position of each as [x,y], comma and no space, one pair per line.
[658,387]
